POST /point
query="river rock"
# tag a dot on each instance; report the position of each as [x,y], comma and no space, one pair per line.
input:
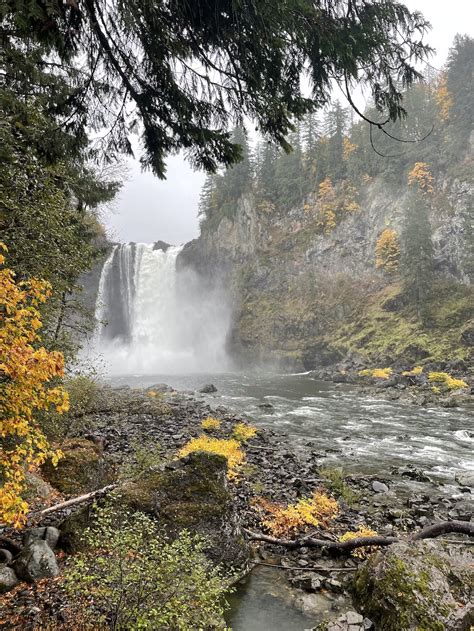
[209,388]
[195,496]
[48,534]
[5,555]
[36,561]
[379,487]
[410,585]
[465,478]
[8,579]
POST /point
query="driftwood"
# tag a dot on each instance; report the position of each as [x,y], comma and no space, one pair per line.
[308,568]
[77,500]
[430,532]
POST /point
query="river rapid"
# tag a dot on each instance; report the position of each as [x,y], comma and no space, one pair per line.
[362,434]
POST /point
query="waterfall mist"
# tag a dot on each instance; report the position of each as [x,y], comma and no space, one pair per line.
[153,319]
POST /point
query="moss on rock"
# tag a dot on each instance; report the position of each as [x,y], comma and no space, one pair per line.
[191,494]
[415,586]
[81,469]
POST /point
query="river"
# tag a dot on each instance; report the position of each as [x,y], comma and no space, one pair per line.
[362,434]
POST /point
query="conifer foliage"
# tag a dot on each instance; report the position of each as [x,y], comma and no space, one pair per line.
[185,71]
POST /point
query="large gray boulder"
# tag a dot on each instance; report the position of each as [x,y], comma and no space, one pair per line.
[192,494]
[46,533]
[417,585]
[36,561]
[8,579]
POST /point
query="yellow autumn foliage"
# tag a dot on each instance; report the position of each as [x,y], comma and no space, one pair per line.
[211,423]
[378,373]
[447,380]
[327,205]
[229,448]
[348,148]
[243,432]
[387,251]
[362,531]
[28,384]
[417,370]
[421,175]
[443,98]
[317,511]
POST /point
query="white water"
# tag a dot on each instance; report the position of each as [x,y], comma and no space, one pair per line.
[154,319]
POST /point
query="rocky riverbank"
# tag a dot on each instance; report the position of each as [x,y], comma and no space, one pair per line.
[133,437]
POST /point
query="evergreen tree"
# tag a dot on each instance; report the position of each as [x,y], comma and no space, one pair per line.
[266,172]
[417,258]
[460,85]
[290,174]
[335,126]
[237,179]
[181,71]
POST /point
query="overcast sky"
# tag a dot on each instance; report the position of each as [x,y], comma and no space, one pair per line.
[149,209]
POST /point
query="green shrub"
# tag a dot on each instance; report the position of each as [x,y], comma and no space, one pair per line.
[133,577]
[140,460]
[336,482]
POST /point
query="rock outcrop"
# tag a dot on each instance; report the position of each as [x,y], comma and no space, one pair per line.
[417,586]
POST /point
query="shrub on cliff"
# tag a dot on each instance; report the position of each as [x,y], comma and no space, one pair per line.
[132,577]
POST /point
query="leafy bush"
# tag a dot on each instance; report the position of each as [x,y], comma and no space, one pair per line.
[243,432]
[29,384]
[211,423]
[336,482]
[140,460]
[446,380]
[417,370]
[229,448]
[362,531]
[316,510]
[132,577]
[378,373]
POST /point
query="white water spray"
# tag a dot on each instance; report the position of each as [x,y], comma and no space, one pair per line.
[153,319]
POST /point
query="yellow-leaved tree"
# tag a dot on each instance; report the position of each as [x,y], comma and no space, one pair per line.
[421,175]
[29,382]
[327,204]
[387,251]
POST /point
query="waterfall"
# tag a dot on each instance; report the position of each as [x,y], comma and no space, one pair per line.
[153,319]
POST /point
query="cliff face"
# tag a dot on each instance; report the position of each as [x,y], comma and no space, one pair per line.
[302,297]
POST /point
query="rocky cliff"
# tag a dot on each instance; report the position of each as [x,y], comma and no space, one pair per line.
[304,297]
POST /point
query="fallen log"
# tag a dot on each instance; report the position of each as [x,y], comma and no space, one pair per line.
[430,532]
[76,500]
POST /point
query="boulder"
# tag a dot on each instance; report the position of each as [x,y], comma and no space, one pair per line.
[379,487]
[81,469]
[209,388]
[47,533]
[192,495]
[5,556]
[465,478]
[8,579]
[36,561]
[417,585]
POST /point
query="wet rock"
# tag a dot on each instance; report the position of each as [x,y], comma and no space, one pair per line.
[5,555]
[209,388]
[48,534]
[194,496]
[465,478]
[81,469]
[410,585]
[265,406]
[379,487]
[8,579]
[36,561]
[462,510]
[161,388]
[413,474]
